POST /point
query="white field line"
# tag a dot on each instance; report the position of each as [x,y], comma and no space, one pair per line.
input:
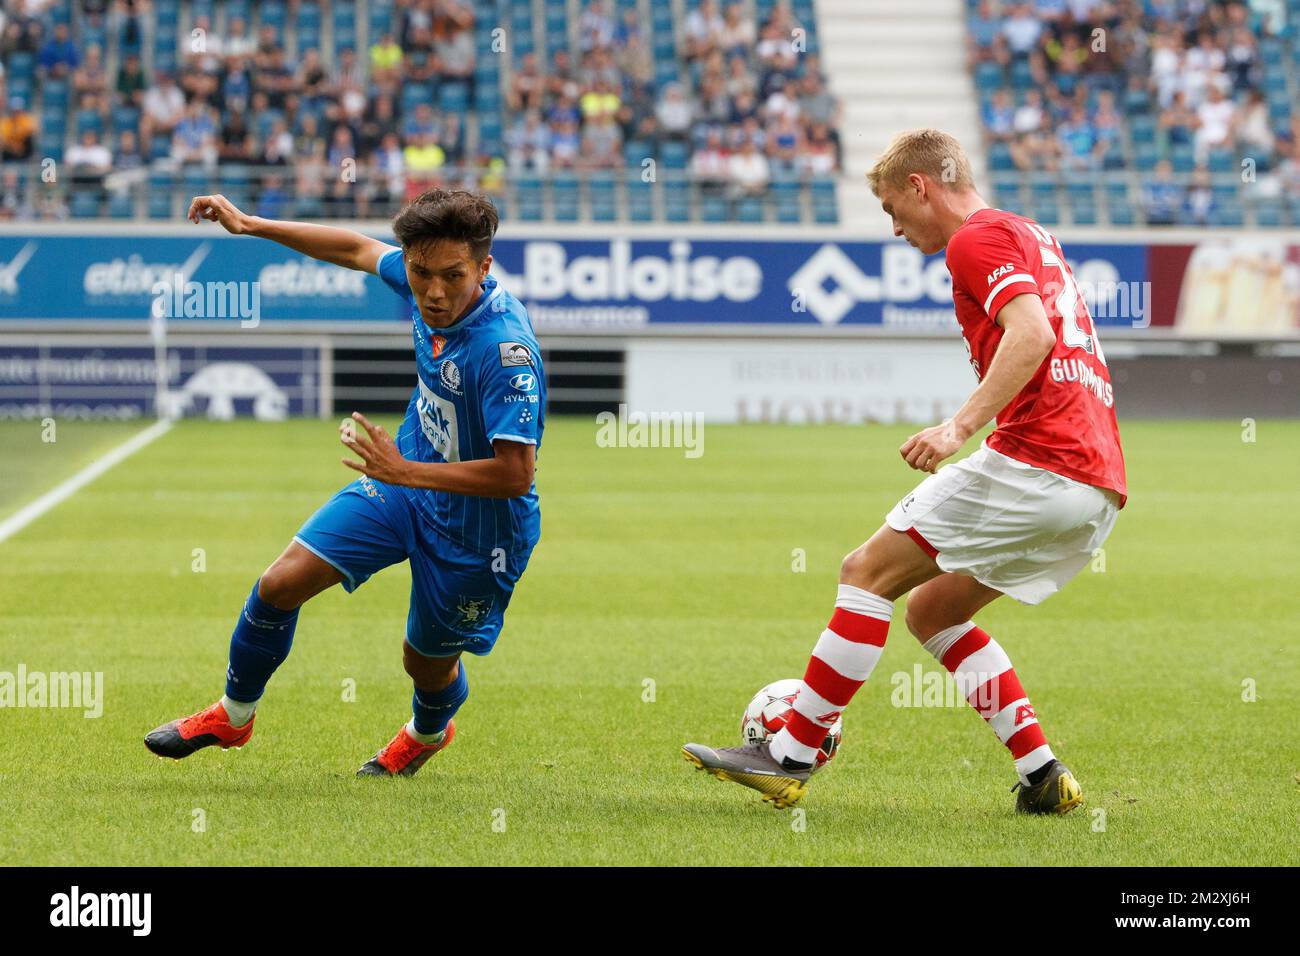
[29,513]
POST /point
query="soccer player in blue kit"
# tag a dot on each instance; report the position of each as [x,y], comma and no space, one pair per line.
[453,494]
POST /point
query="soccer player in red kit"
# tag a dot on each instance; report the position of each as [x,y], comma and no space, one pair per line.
[1020,516]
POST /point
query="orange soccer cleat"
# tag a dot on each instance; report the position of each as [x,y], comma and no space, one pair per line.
[404,755]
[182,737]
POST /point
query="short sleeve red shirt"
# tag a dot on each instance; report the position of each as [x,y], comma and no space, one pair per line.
[1063,420]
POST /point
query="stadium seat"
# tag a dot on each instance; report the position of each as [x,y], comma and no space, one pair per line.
[121,205]
[93,34]
[195,181]
[1000,160]
[54,121]
[1046,212]
[309,16]
[1083,214]
[823,189]
[84,205]
[273,13]
[125,118]
[453,97]
[20,87]
[1136,102]
[988,77]
[1080,191]
[750,210]
[1121,215]
[640,196]
[714,209]
[825,215]
[308,207]
[159,194]
[1042,187]
[308,38]
[1142,129]
[1225,189]
[415,94]
[1021,78]
[1145,157]
[1229,215]
[487,97]
[88,121]
[21,64]
[789,209]
[1222,161]
[528,199]
[1183,159]
[672,155]
[1269,215]
[565,197]
[55,93]
[1008,197]
[602,197]
[676,194]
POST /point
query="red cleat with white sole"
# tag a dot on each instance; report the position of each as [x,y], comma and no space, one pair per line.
[182,737]
[404,755]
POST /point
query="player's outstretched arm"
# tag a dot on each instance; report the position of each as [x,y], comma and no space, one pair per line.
[1027,339]
[343,247]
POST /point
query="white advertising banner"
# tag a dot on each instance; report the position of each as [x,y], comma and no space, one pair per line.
[800,382]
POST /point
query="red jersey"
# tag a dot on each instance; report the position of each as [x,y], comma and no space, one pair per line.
[1063,420]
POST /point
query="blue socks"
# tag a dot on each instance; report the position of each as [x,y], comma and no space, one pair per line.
[262,639]
[433,709]
[260,643]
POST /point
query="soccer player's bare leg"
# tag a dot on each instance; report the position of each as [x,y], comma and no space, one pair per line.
[295,577]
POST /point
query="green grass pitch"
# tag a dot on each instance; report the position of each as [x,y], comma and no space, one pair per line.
[652,568]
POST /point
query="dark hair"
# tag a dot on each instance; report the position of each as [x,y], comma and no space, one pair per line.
[456,215]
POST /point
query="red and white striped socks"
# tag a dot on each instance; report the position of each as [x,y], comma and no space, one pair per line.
[851,645]
[987,680]
[842,660]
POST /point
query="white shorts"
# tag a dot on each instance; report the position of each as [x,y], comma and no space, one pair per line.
[1019,529]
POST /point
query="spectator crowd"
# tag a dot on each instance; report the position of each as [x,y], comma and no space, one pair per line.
[354,130]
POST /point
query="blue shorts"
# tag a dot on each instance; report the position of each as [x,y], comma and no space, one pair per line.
[458,597]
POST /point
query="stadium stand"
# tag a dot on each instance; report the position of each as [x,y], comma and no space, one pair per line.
[1157,113]
[562,110]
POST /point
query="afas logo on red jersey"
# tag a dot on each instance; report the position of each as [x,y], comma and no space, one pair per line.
[1001,271]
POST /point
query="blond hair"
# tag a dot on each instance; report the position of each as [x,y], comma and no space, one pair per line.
[931,152]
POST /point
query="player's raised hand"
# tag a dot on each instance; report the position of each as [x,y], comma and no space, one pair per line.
[379,456]
[221,210]
[925,450]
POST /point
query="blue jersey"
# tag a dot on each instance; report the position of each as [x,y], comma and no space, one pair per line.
[479,379]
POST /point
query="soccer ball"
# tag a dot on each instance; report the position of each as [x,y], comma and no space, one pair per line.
[767,714]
